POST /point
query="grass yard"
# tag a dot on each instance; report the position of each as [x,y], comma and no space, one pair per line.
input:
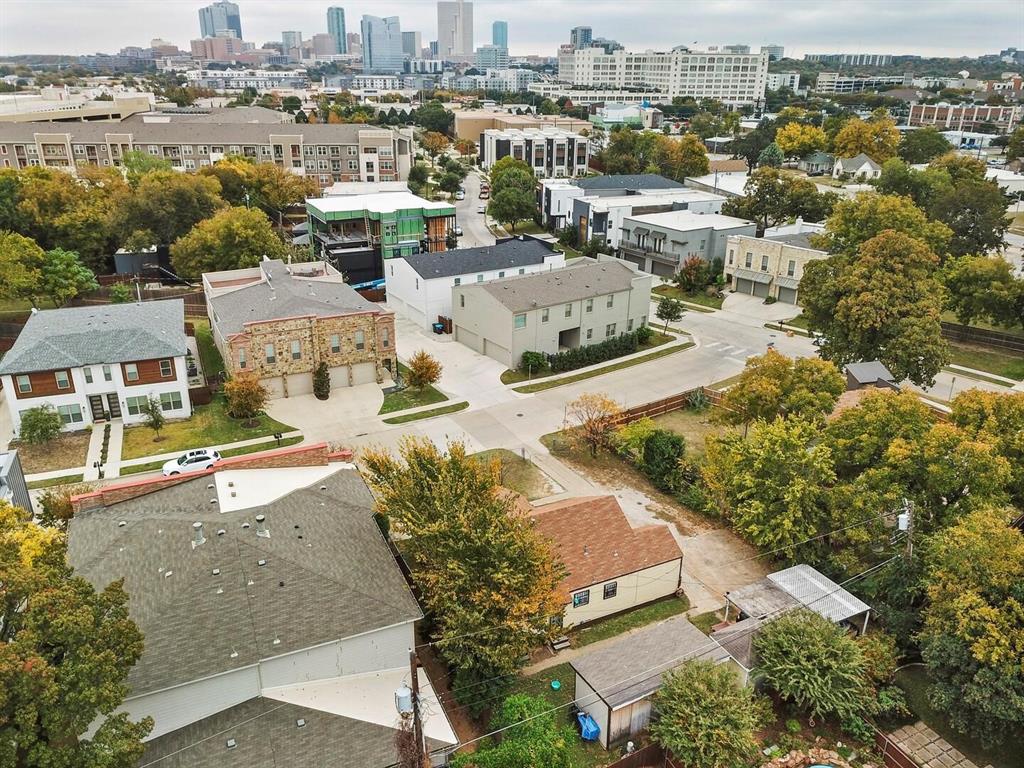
[65,452]
[1007,364]
[693,426]
[514,375]
[410,397]
[153,466]
[551,383]
[455,407]
[674,292]
[705,621]
[62,480]
[519,474]
[209,425]
[624,622]
[950,317]
[1017,224]
[209,355]
[914,681]
[797,322]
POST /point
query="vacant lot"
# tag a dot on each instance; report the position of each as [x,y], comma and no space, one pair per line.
[66,452]
[693,426]
[1007,364]
[519,474]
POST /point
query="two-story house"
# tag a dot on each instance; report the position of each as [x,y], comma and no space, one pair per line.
[659,243]
[282,320]
[101,362]
[578,305]
[770,266]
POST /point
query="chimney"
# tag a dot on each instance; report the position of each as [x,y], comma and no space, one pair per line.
[261,529]
[197,534]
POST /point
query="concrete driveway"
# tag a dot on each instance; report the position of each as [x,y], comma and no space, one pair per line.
[348,411]
[753,306]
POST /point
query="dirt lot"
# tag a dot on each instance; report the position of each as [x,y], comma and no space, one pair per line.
[66,452]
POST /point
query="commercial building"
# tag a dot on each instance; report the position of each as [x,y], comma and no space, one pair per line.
[492,57]
[965,117]
[557,195]
[412,44]
[382,44]
[97,363]
[582,96]
[580,37]
[471,124]
[291,44]
[355,45]
[59,105]
[221,16]
[733,78]
[659,243]
[770,266]
[419,287]
[549,311]
[833,82]
[356,234]
[727,183]
[775,52]
[240,79]
[776,80]
[633,115]
[851,59]
[336,28]
[220,48]
[601,216]
[499,34]
[551,152]
[455,29]
[281,321]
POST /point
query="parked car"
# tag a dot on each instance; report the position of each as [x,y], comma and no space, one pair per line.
[460,195]
[481,209]
[484,194]
[191,461]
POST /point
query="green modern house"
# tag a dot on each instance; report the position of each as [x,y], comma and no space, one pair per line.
[356,233]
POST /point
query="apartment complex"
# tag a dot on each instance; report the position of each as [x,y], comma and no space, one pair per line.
[556,196]
[776,80]
[492,57]
[851,59]
[237,80]
[833,82]
[582,96]
[659,243]
[551,152]
[327,153]
[733,78]
[965,117]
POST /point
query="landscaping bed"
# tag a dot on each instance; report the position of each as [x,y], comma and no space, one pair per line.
[410,397]
[515,375]
[67,451]
[692,297]
[518,474]
[603,629]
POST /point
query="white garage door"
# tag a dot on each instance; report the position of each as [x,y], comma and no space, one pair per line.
[497,352]
[787,295]
[339,376]
[274,386]
[468,338]
[364,373]
[300,384]
[415,314]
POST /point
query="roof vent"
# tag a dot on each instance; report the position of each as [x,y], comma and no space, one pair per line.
[213,501]
[231,483]
[261,529]
[197,534]
[221,531]
[167,573]
[220,591]
[245,526]
[300,723]
[323,487]
[121,523]
[250,583]
[234,654]
[216,571]
[232,743]
[586,550]
[277,641]
[261,562]
[209,486]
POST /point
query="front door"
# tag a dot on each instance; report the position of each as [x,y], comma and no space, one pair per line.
[114,405]
[96,406]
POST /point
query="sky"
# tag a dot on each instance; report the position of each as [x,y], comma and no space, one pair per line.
[923,27]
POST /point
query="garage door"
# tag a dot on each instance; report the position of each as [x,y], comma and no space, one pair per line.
[761,289]
[364,373]
[274,386]
[339,376]
[787,295]
[300,384]
[638,260]
[497,352]
[468,338]
[744,286]
[662,270]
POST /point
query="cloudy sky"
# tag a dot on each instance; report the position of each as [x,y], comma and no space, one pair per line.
[926,27]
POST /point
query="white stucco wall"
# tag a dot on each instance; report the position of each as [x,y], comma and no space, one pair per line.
[632,590]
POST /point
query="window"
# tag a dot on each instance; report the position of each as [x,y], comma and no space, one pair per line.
[702,242]
[88,375]
[166,369]
[590,333]
[131,372]
[544,315]
[522,270]
[296,350]
[611,589]
[63,382]
[611,300]
[730,255]
[501,274]
[568,310]
[581,598]
[764,263]
[170,401]
[241,358]
[70,414]
[791,269]
[750,259]
[629,324]
[385,337]
[590,305]
[271,356]
[360,340]
[520,321]
[136,404]
[107,375]
[462,300]
[479,278]
[335,343]
[24,384]
[609,330]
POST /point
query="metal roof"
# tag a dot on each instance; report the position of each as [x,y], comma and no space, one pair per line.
[753,275]
[817,592]
[869,372]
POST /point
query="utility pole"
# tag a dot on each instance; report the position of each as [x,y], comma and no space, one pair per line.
[412,754]
[905,521]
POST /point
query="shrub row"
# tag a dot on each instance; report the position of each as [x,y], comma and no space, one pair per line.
[580,357]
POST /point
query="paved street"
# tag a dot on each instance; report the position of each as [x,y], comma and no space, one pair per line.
[474,229]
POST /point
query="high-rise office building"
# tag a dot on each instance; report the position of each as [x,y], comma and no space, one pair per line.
[382,44]
[412,44]
[775,52]
[292,44]
[434,47]
[455,28]
[499,34]
[336,28]
[491,57]
[221,16]
[580,37]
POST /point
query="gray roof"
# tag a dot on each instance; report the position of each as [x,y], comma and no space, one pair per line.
[290,296]
[328,574]
[561,286]
[190,132]
[797,239]
[761,598]
[819,593]
[869,372]
[753,275]
[628,181]
[465,261]
[266,734]
[632,666]
[738,640]
[236,115]
[102,334]
[859,160]
[818,157]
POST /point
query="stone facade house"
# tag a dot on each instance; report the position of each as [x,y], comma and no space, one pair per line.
[280,321]
[770,266]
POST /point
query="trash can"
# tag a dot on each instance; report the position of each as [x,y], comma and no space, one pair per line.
[438,328]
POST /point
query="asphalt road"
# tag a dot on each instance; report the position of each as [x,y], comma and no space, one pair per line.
[474,228]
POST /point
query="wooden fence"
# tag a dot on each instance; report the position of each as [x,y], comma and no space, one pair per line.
[892,755]
[982,337]
[667,405]
[651,756]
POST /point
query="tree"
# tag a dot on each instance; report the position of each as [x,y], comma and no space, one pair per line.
[233,238]
[884,305]
[923,187]
[513,178]
[55,508]
[120,293]
[536,740]
[66,653]
[64,276]
[1015,145]
[681,158]
[694,273]
[40,425]
[750,145]
[465,147]
[434,143]
[277,188]
[878,139]
[450,183]
[423,370]
[669,310]
[972,638]
[510,206]
[800,139]
[419,175]
[770,157]
[961,168]
[321,381]
[765,199]
[505,165]
[813,663]
[855,221]
[10,192]
[975,211]
[984,287]
[433,117]
[662,453]
[166,204]
[155,418]
[705,718]
[593,416]
[773,385]
[135,164]
[20,263]
[997,419]
[485,576]
[922,145]
[246,396]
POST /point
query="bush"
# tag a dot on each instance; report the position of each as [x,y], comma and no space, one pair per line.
[662,451]
[321,381]
[859,729]
[533,361]
[580,357]
[629,439]
[40,425]
[643,335]
[770,300]
[422,370]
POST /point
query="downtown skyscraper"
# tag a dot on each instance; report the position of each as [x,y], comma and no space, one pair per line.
[455,29]
[220,17]
[336,28]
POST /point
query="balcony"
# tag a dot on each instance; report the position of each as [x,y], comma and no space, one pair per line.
[631,249]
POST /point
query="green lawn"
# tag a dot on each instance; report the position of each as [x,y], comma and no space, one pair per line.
[950,317]
[914,680]
[540,386]
[410,397]
[519,474]
[514,375]
[62,480]
[693,426]
[797,322]
[209,425]
[623,622]
[152,466]
[428,414]
[209,355]
[705,621]
[674,292]
[1007,364]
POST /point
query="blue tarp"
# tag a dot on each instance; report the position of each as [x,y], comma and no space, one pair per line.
[589,729]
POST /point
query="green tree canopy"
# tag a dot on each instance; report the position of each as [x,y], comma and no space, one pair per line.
[770,157]
[21,261]
[508,164]
[774,385]
[536,738]
[922,145]
[975,212]
[855,221]
[997,419]
[167,205]
[64,276]
[984,288]
[232,238]
[771,198]
[137,164]
[510,206]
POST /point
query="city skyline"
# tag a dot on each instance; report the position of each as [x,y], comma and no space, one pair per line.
[539,26]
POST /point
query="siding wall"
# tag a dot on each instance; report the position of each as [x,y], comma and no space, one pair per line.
[632,590]
[588,700]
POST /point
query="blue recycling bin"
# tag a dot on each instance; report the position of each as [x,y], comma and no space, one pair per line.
[438,327]
[589,729]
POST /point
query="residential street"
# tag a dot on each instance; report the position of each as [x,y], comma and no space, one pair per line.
[474,228]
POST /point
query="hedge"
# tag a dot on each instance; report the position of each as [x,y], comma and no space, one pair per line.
[609,349]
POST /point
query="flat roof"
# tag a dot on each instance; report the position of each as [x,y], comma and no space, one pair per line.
[650,197]
[687,220]
[379,202]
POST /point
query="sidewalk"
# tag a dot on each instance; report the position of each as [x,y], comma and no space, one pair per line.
[92,458]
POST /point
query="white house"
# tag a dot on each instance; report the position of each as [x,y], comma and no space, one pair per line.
[100,362]
[419,286]
[859,167]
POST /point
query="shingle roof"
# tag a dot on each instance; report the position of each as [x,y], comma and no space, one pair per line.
[627,181]
[596,542]
[465,261]
[107,333]
[286,295]
[797,239]
[858,161]
[558,286]
[738,640]
[328,573]
[869,372]
[632,666]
